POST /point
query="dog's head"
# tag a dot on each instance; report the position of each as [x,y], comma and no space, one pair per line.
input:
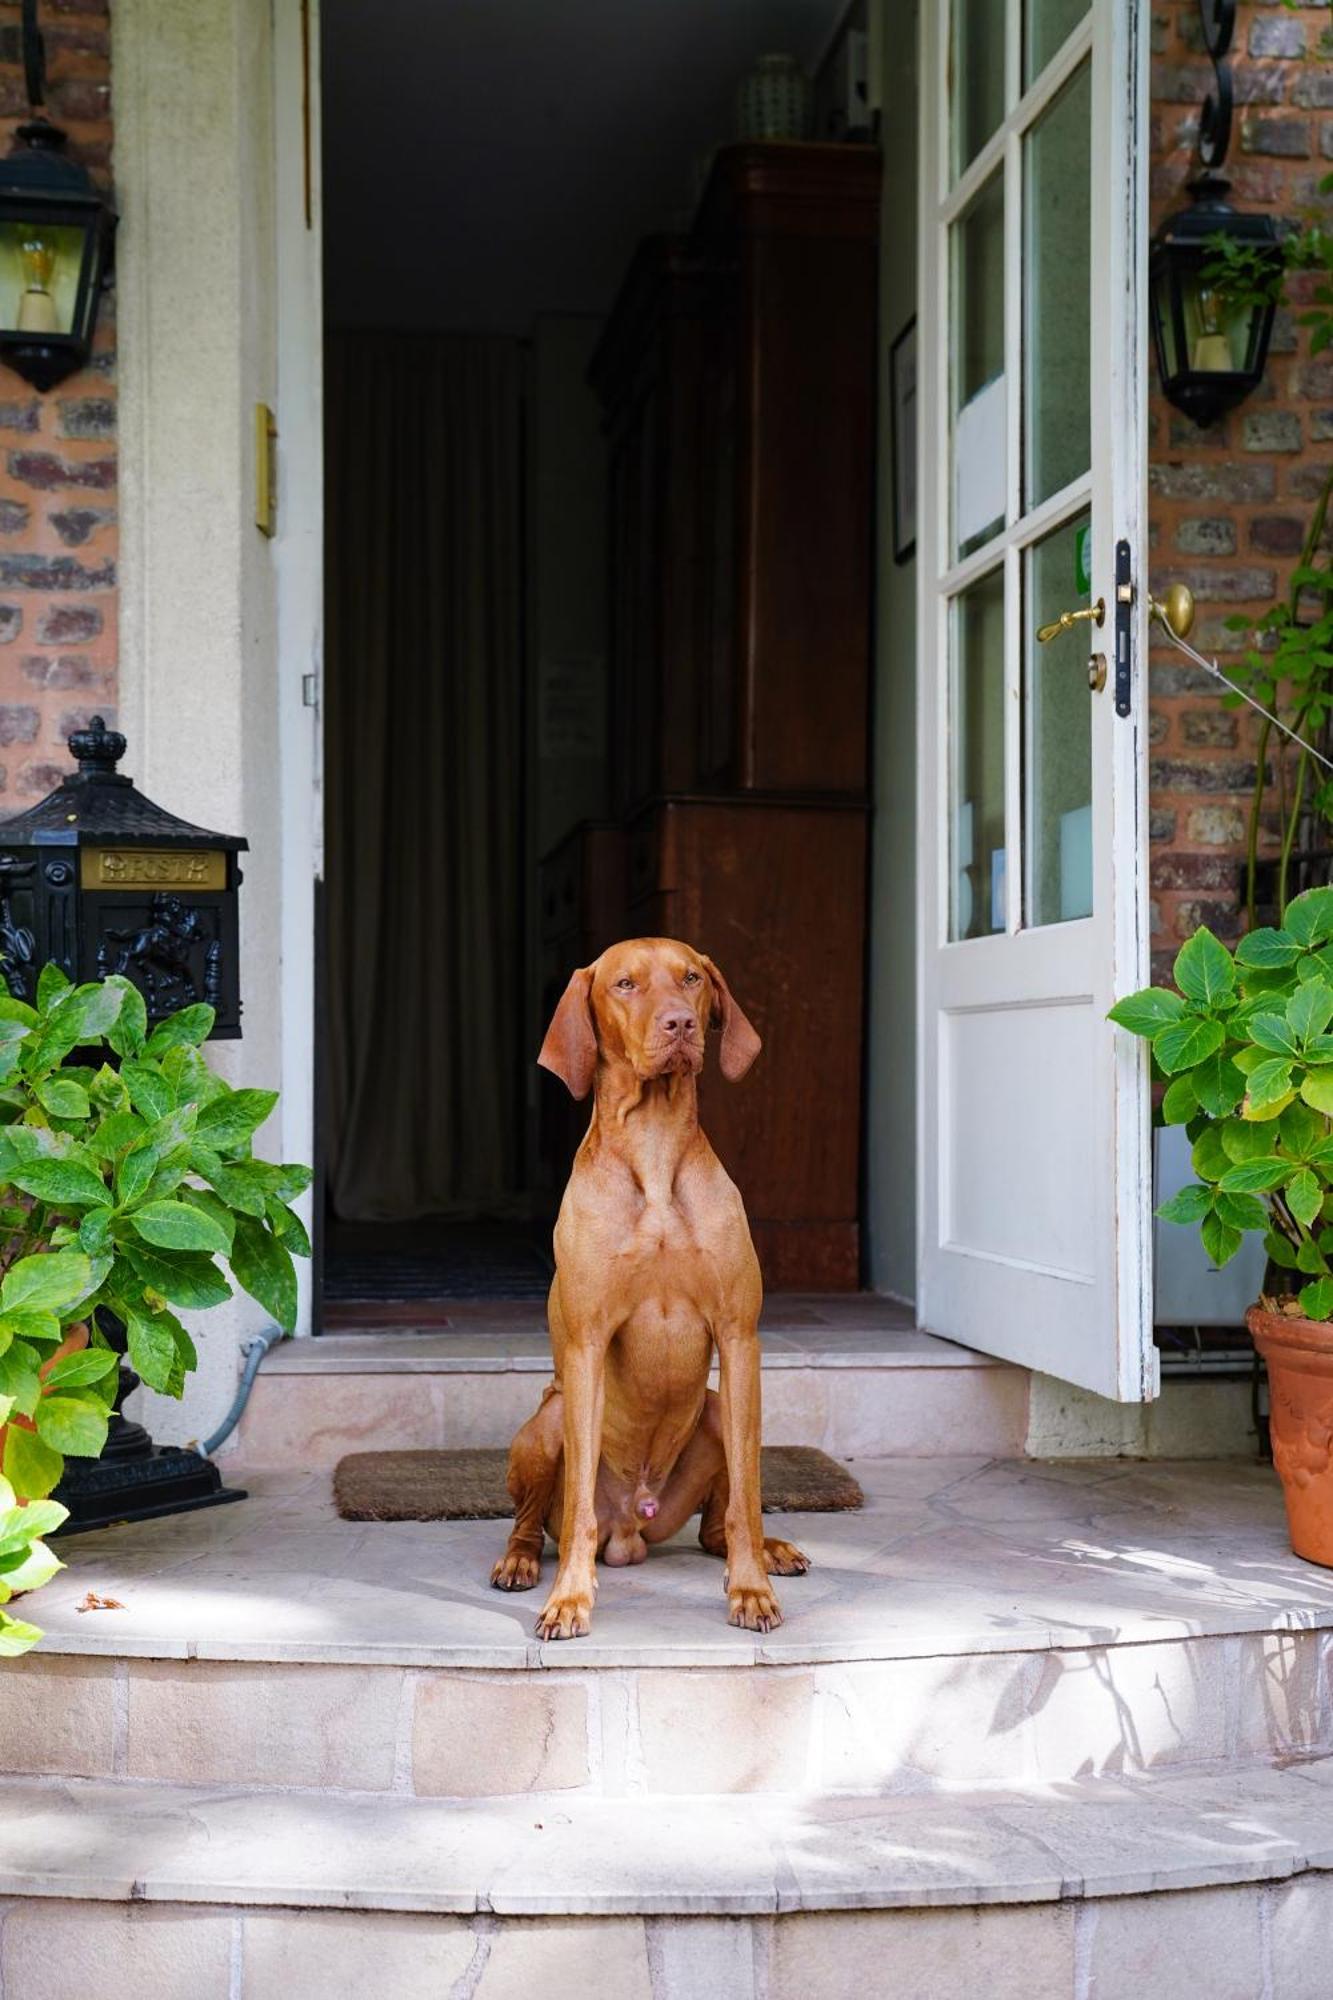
[649,1003]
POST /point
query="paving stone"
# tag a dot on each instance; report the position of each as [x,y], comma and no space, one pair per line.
[1011,1954]
[200,1722]
[725,1732]
[1150,1947]
[302,1953]
[513,1733]
[57,1717]
[51,1950]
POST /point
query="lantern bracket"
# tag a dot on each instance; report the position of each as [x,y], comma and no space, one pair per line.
[1218,21]
[34,56]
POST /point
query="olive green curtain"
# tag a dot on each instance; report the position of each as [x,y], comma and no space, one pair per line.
[423,774]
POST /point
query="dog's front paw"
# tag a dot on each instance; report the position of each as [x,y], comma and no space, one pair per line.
[516,1572]
[567,1615]
[756,1609]
[784,1558]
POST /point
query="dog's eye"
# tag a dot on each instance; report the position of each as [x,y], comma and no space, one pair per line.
[690,979]
[624,986]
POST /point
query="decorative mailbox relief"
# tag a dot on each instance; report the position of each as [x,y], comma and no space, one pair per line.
[101,880]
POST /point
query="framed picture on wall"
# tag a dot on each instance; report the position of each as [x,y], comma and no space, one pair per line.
[902,443]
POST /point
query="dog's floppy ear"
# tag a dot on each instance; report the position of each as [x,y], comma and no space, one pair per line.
[570,1048]
[740,1043]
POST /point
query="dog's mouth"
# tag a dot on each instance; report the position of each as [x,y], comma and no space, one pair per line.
[677,1059]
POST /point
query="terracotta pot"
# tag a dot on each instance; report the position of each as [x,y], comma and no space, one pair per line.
[1299,1353]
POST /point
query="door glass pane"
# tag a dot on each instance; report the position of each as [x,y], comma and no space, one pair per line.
[976,817]
[1047,26]
[978,386]
[977,69]
[1058,186]
[1057,776]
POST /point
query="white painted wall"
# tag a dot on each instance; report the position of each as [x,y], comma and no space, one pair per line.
[196,173]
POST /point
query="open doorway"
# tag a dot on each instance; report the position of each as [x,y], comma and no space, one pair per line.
[599,437]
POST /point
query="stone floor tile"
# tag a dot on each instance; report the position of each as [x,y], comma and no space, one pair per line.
[474,1738]
[568,1961]
[202,1722]
[1021,1952]
[54,1950]
[725,1732]
[322,1954]
[1300,1925]
[1205,1941]
[58,1716]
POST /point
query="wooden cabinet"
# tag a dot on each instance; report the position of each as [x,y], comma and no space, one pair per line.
[737,376]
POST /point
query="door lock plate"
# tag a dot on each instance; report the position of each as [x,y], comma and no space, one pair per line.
[1124,615]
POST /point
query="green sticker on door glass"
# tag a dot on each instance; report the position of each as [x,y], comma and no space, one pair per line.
[1083,559]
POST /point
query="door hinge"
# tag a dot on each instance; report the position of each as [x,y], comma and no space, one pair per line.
[310,690]
[1124,613]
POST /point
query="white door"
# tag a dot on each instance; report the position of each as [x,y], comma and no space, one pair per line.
[1033,1167]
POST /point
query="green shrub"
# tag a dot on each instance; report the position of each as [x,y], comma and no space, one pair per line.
[124,1190]
[1244,1043]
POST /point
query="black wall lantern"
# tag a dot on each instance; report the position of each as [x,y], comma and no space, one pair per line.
[56,233]
[1212,336]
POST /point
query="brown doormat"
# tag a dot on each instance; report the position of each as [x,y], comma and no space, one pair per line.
[470,1485]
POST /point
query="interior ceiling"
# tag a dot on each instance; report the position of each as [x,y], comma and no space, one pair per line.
[487,160]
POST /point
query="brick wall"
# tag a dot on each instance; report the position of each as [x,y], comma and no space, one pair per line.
[1229,505]
[58,461]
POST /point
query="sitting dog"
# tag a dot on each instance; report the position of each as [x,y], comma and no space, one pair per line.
[654,1269]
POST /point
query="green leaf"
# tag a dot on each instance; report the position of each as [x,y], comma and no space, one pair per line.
[218,1212]
[1301,1130]
[63,1098]
[1316,1300]
[1218,1085]
[227,1123]
[288,1227]
[191,1025]
[1243,1211]
[18,1010]
[1309,918]
[152,1347]
[1280,1251]
[1191,1204]
[130,1028]
[1144,1013]
[94,1230]
[1305,1197]
[179,1225]
[1179,1104]
[89,1364]
[1268,950]
[264,1267]
[1208,1156]
[53,1283]
[1220,1240]
[31,1466]
[1259,1176]
[52,986]
[239,1184]
[184,1278]
[1310,1009]
[20,1383]
[1270,1086]
[71,1425]
[1203,969]
[1187,1042]
[134,1172]
[150,1093]
[67,1183]
[1274,1033]
[89,1011]
[1317,1090]
[1242,1141]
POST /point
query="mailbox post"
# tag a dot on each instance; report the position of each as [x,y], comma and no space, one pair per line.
[100,880]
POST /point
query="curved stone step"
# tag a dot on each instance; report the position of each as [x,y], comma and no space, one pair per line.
[1000,1624]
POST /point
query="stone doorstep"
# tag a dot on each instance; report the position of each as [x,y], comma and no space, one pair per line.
[880,1728]
[699,1856]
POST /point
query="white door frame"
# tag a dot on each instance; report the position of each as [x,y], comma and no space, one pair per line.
[1013,1306]
[298,550]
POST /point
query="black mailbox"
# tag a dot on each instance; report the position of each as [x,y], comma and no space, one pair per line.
[101,880]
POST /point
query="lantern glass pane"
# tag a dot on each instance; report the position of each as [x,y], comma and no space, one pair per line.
[976,761]
[1217,330]
[1058,290]
[40,267]
[1164,306]
[977,72]
[1047,26]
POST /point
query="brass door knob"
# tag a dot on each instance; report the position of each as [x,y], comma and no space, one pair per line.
[1175,610]
[1069,619]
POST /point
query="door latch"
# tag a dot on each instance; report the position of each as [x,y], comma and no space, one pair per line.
[1124,609]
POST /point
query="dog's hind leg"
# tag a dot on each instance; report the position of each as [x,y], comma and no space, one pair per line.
[534,1468]
[780,1558]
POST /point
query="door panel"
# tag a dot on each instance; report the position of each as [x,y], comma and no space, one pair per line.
[1034,1114]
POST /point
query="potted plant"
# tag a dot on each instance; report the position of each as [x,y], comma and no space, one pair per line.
[124,1190]
[1244,1045]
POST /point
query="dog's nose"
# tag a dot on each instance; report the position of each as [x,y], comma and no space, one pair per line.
[677,1024]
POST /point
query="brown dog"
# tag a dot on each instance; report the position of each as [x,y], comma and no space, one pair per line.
[654,1268]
